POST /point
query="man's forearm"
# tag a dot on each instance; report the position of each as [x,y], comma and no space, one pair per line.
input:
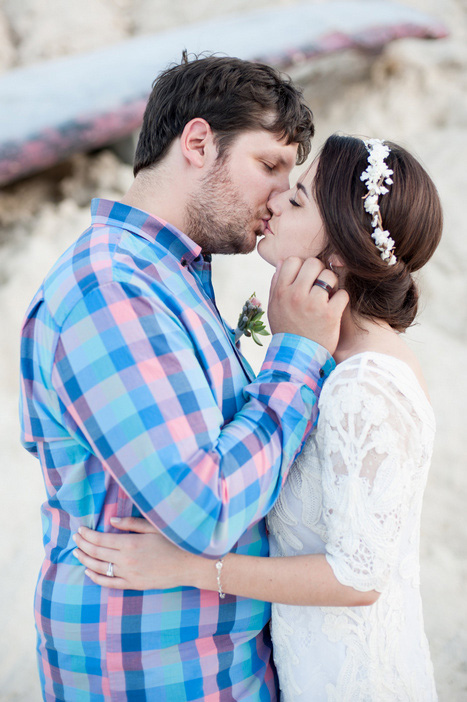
[150,415]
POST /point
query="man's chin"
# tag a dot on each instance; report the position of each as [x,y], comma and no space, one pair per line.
[250,246]
[234,243]
[247,245]
[233,248]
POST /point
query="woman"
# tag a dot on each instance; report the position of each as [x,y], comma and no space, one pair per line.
[347,623]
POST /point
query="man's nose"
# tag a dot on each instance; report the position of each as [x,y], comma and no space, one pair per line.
[281,184]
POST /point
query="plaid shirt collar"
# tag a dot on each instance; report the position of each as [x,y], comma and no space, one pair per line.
[110,213]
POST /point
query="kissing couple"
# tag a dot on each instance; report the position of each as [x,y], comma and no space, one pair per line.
[300,487]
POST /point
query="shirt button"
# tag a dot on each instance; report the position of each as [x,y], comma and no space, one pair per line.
[321,373]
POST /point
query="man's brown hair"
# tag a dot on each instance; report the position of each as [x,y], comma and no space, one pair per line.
[233,96]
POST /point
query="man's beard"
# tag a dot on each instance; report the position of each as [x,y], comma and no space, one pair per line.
[217,217]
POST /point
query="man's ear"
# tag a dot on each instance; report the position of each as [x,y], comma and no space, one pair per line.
[197,142]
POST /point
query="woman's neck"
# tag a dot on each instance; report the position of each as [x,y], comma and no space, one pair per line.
[359,334]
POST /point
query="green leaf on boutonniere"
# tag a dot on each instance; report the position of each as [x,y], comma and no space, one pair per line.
[249,321]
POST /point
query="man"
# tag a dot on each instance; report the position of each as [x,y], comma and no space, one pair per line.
[137,402]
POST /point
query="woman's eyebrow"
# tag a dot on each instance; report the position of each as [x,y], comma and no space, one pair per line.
[301,187]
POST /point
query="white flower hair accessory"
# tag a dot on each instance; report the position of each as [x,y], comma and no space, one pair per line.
[376,176]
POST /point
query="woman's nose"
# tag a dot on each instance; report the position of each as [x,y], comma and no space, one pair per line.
[273,205]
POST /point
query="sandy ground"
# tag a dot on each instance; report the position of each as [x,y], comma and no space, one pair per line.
[414,93]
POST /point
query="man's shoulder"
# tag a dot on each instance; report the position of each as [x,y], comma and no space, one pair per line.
[86,264]
[102,255]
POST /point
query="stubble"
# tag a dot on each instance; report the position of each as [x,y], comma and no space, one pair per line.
[218,218]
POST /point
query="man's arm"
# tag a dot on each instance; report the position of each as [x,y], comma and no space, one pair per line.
[133,390]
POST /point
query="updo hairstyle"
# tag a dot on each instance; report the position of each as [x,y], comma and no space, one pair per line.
[411,212]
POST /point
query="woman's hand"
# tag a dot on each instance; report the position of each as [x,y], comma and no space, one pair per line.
[142,561]
[147,560]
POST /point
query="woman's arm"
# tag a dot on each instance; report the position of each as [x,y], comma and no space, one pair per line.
[296,580]
[147,560]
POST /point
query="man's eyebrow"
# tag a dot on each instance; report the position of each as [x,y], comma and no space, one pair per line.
[301,187]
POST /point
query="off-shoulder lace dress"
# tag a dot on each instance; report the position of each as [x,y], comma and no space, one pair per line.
[355,494]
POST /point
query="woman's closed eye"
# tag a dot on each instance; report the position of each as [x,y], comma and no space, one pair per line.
[294,202]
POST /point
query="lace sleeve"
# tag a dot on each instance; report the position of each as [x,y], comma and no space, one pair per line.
[369,442]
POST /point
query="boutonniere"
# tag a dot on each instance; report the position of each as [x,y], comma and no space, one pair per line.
[249,321]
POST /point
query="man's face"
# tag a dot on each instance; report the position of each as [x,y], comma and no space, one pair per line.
[229,210]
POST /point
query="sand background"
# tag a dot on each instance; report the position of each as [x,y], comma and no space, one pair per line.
[414,92]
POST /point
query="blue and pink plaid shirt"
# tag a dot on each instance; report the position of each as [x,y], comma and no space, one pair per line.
[137,402]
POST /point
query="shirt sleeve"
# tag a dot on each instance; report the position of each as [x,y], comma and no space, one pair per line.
[133,390]
[369,453]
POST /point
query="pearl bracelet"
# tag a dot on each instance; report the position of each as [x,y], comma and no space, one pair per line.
[219,566]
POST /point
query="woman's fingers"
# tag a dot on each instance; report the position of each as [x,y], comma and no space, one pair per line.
[96,570]
[100,553]
[140,526]
[104,581]
[99,544]
[99,538]
[93,564]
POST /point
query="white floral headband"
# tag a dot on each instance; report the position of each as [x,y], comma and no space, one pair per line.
[375,176]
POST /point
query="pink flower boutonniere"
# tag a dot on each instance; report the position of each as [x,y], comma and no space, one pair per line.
[249,321]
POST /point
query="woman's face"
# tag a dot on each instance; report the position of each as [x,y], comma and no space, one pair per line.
[295,227]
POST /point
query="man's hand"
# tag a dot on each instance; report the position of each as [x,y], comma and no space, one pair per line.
[297,306]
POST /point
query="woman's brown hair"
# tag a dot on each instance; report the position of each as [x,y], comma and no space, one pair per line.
[411,212]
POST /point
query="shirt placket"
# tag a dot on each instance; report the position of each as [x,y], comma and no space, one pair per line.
[201,268]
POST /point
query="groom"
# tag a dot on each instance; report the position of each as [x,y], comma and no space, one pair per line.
[137,402]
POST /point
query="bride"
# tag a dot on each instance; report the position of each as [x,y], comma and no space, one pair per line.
[347,621]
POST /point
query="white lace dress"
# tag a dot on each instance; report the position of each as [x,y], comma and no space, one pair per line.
[355,494]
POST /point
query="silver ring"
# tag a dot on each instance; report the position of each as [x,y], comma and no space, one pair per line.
[110,570]
[322,284]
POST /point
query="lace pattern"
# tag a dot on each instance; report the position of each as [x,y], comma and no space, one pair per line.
[355,494]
